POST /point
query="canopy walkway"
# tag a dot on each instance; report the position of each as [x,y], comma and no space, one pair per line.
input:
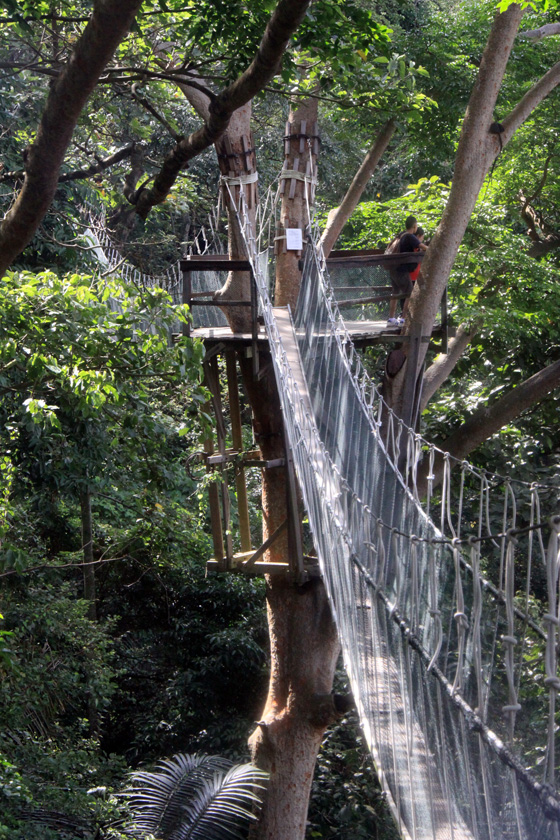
[446,600]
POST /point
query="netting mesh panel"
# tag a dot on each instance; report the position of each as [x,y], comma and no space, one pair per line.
[444,780]
[202,281]
[427,641]
[351,282]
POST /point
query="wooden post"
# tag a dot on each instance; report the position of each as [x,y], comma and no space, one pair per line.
[213,383]
[237,440]
[187,298]
[214,504]
[295,541]
[254,324]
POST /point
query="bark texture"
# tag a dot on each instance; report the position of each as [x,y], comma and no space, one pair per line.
[338,218]
[304,645]
[109,24]
[477,149]
[284,21]
[443,364]
[303,652]
[294,211]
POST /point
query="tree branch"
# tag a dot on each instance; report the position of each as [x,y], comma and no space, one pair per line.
[340,215]
[100,166]
[529,102]
[284,21]
[155,113]
[542,32]
[108,25]
[488,420]
[443,364]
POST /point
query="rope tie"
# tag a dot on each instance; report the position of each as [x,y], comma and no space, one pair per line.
[460,618]
[509,640]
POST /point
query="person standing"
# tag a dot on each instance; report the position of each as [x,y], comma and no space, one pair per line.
[401,282]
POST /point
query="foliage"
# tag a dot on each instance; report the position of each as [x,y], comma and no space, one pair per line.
[346,800]
[494,279]
[194,796]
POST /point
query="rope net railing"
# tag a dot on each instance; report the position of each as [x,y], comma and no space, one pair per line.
[448,619]
[110,256]
[446,597]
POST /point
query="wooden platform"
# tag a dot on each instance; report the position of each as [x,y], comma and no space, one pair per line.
[362,333]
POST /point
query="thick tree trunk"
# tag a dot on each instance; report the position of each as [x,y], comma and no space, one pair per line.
[300,157]
[303,640]
[236,155]
[477,149]
[303,652]
[443,364]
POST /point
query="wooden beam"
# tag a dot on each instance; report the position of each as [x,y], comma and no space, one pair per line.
[218,262]
[212,378]
[248,564]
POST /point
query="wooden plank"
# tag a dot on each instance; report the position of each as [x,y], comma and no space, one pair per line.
[293,182]
[250,562]
[212,378]
[214,504]
[302,138]
[259,568]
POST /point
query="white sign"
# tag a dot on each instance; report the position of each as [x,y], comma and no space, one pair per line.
[294,241]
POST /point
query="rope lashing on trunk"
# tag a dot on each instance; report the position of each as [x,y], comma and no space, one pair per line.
[239,180]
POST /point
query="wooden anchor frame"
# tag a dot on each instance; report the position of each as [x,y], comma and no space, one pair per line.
[219,262]
[248,561]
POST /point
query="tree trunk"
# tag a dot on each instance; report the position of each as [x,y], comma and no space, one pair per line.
[477,149]
[303,640]
[109,24]
[299,157]
[443,364]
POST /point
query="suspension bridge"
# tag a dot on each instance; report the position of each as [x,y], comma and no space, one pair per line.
[446,597]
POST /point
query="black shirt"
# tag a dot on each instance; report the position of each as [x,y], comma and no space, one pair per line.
[408,244]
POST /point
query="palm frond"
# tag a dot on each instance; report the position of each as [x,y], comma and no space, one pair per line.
[193,797]
[224,805]
[157,799]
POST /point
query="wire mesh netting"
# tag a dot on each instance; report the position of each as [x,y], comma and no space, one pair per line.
[441,660]
[352,282]
[445,597]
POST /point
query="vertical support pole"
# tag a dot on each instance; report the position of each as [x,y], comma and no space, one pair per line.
[214,504]
[213,382]
[411,374]
[187,298]
[237,440]
[411,389]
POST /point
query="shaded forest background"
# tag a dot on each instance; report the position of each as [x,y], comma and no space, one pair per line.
[102,673]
